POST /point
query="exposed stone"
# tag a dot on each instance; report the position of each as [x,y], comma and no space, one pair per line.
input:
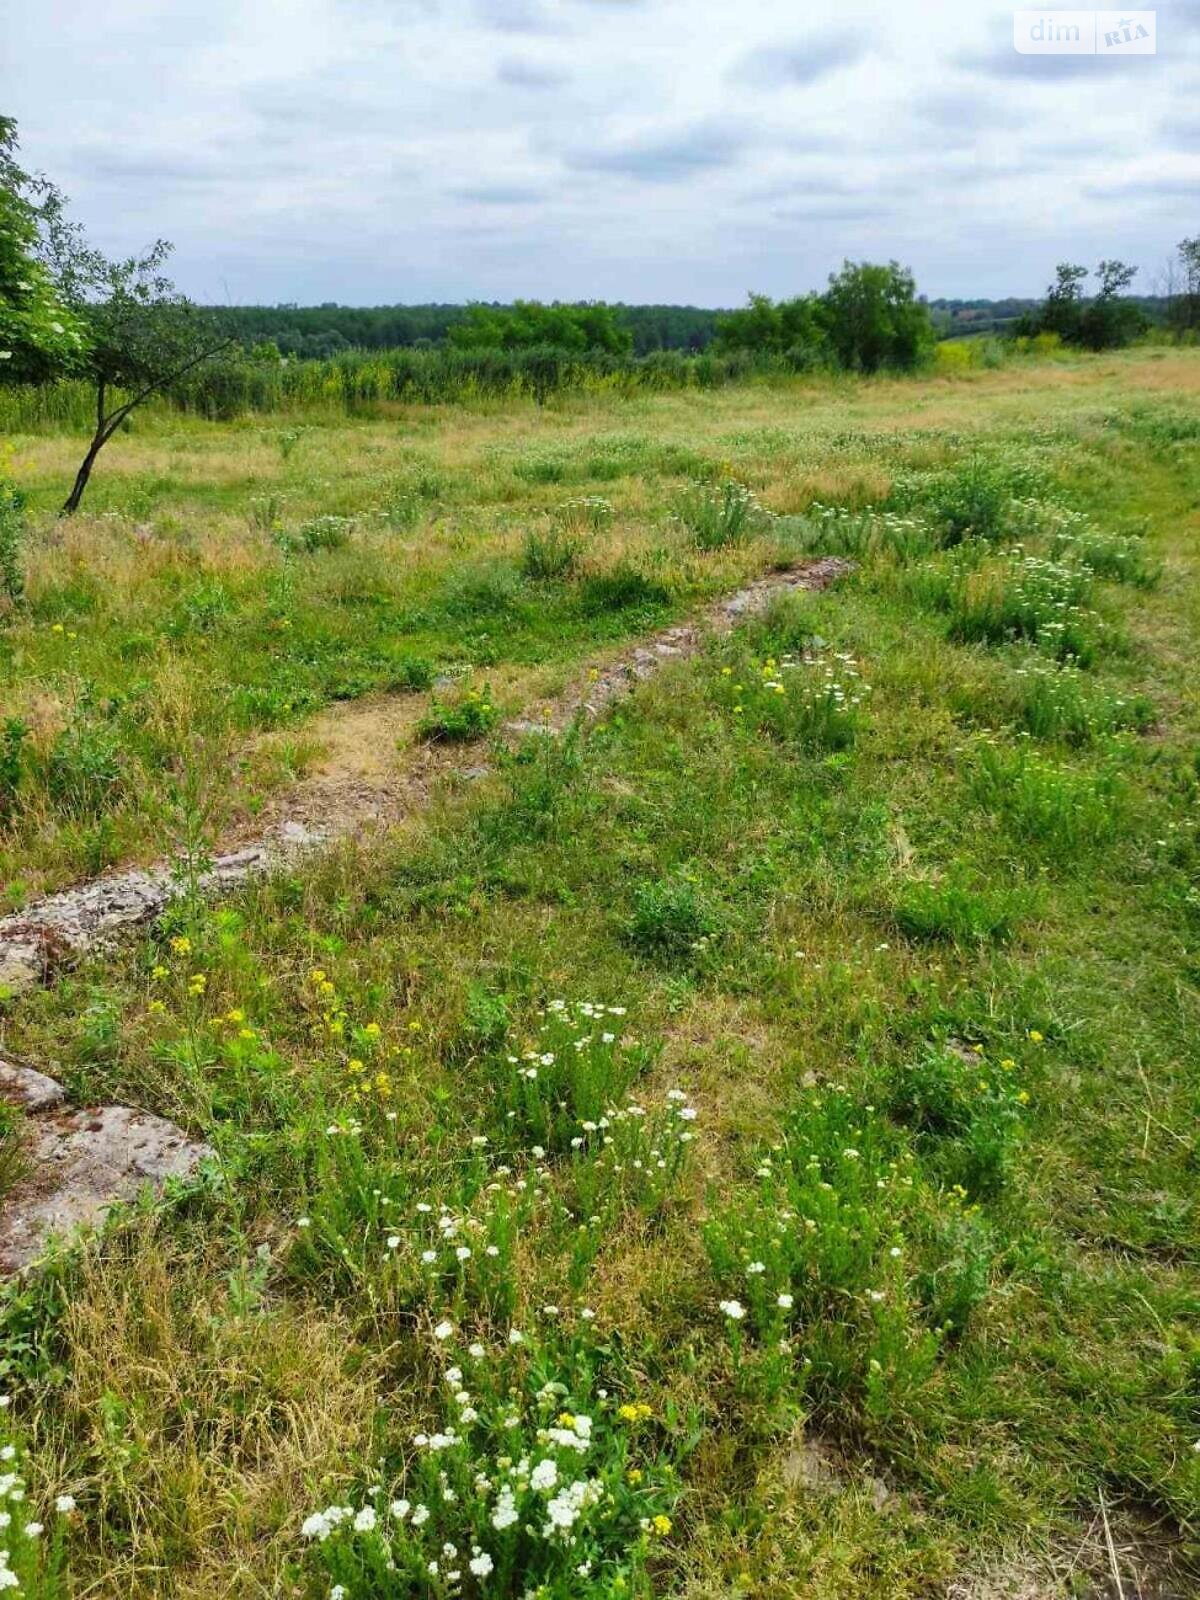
[80,1164]
[65,926]
[28,1089]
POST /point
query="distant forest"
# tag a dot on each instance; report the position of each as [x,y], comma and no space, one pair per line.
[324,330]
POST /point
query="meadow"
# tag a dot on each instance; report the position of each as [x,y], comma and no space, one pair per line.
[743,1146]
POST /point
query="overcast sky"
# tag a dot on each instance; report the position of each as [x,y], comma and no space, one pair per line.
[372,151]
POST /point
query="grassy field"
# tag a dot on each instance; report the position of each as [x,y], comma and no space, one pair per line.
[744,1148]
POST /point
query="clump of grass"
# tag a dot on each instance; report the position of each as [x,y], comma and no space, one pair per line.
[973,500]
[86,768]
[956,913]
[590,513]
[1062,811]
[550,553]
[580,1475]
[814,700]
[621,588]
[720,516]
[317,534]
[13,738]
[1012,598]
[858,534]
[674,919]
[1056,701]
[13,1161]
[483,591]
[966,1113]
[1117,557]
[814,1266]
[459,721]
[264,513]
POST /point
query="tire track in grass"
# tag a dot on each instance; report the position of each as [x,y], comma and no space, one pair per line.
[362,787]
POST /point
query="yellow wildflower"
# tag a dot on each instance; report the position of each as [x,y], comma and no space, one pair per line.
[661,1525]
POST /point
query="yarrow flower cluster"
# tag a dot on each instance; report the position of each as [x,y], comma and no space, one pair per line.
[532,1479]
[19,1532]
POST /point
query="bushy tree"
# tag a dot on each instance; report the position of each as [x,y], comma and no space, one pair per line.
[1062,310]
[873,318]
[141,334]
[527,324]
[793,329]
[1106,321]
[1111,319]
[1185,306]
[39,335]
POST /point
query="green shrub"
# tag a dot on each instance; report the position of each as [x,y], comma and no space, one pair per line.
[1041,803]
[622,588]
[460,721]
[319,533]
[550,554]
[86,769]
[974,501]
[721,515]
[673,920]
[13,735]
[12,537]
[966,1112]
[956,913]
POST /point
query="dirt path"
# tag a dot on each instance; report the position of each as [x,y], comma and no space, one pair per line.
[77,1163]
[361,782]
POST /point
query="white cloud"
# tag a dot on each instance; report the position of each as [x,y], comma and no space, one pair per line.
[382,150]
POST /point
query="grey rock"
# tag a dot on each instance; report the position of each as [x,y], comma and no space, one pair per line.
[80,1164]
[28,1089]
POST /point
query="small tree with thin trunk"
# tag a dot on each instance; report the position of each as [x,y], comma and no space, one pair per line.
[142,334]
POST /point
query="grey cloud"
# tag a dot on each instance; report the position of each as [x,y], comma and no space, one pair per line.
[516,16]
[824,211]
[797,62]
[967,109]
[107,164]
[531,75]
[1125,189]
[1182,132]
[670,159]
[499,194]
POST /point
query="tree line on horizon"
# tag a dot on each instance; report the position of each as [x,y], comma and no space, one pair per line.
[123,329]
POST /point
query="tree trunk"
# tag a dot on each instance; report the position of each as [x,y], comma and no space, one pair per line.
[71,504]
[99,440]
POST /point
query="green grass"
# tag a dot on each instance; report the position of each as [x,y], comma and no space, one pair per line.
[911,1295]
